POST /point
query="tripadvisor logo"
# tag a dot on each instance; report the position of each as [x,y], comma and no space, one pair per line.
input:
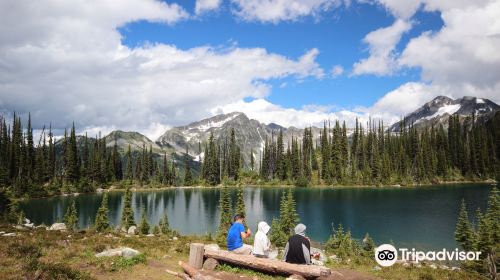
[387,255]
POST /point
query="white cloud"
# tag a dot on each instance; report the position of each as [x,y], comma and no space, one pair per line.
[64,61]
[460,59]
[464,51]
[401,9]
[403,100]
[336,71]
[381,46]
[281,10]
[202,6]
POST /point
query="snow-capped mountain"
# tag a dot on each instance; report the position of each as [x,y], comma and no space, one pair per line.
[440,108]
[250,134]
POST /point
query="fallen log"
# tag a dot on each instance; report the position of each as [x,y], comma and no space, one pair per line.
[195,273]
[178,274]
[268,265]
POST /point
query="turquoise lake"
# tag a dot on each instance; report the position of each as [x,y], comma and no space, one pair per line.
[416,217]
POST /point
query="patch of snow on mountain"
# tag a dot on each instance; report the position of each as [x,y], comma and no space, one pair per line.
[218,124]
[479,101]
[448,109]
[190,135]
[200,157]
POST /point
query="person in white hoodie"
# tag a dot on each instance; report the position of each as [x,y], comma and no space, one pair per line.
[261,244]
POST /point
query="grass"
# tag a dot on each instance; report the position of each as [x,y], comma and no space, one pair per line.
[67,255]
[399,271]
[121,263]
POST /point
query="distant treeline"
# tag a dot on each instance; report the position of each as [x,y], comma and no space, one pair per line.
[467,150]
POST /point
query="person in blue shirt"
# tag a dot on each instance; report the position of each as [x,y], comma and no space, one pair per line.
[235,237]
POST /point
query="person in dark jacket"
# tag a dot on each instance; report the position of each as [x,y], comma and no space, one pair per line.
[298,247]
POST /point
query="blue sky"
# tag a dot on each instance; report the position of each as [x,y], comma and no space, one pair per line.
[149,65]
[338,35]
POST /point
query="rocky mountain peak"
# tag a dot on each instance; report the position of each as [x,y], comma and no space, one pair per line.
[440,108]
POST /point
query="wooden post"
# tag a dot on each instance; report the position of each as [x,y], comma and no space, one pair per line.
[196,252]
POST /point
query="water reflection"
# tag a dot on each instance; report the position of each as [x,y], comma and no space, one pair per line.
[422,217]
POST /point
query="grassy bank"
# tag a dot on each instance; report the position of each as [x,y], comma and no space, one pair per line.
[71,255]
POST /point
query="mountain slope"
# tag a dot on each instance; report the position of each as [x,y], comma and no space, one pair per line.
[250,134]
[438,110]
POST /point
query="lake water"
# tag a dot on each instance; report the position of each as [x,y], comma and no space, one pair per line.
[417,217]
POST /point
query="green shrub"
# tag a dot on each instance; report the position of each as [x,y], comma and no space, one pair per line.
[301,182]
[123,263]
[342,244]
[144,226]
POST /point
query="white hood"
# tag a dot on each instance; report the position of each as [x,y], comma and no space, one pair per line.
[263,227]
[261,242]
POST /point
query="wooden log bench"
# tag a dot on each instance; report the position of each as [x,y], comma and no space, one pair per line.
[274,267]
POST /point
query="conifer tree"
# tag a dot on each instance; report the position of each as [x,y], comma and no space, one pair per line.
[156,230]
[283,227]
[71,217]
[464,234]
[144,226]
[288,216]
[225,216]
[252,163]
[240,204]
[129,172]
[368,244]
[188,178]
[277,236]
[173,175]
[234,157]
[211,165]
[484,242]
[116,163]
[493,215]
[30,151]
[127,214]
[164,225]
[72,165]
[138,170]
[101,219]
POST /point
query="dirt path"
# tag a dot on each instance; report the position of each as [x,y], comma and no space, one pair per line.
[156,270]
[348,274]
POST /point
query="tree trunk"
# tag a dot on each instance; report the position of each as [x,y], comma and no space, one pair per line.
[268,265]
[194,273]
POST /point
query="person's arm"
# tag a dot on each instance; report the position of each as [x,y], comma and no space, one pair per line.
[246,234]
[307,254]
[286,252]
[267,246]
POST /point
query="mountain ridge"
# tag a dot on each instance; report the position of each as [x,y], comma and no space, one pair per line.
[437,111]
[252,134]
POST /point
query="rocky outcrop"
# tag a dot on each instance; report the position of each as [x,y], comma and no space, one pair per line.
[57,226]
[132,230]
[125,252]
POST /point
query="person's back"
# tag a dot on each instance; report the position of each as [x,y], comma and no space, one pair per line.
[234,240]
[261,243]
[235,235]
[298,247]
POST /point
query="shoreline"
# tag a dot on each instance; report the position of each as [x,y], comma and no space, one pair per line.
[113,188]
